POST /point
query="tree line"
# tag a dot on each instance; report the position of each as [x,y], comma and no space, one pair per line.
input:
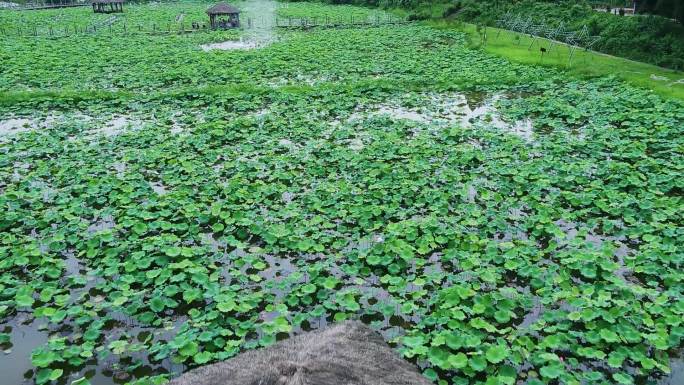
[668,8]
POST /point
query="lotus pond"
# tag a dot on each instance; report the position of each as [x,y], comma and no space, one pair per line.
[164,207]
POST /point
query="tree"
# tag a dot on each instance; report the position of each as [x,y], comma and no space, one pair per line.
[667,8]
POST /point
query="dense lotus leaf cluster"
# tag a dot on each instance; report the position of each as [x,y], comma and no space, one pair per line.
[164,15]
[411,54]
[167,15]
[341,13]
[218,220]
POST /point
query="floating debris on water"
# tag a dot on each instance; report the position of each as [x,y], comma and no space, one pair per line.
[118,125]
[158,188]
[231,45]
[445,110]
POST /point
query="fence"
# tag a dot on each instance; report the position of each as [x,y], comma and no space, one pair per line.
[115,26]
[29,6]
[611,3]
[35,5]
[92,29]
[337,22]
[554,34]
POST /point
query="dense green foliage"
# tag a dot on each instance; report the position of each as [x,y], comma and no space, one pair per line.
[176,61]
[147,15]
[379,3]
[649,39]
[320,10]
[336,174]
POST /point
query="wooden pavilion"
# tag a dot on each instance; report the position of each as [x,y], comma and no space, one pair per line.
[224,16]
[107,6]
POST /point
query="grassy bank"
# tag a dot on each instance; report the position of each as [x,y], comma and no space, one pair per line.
[516,47]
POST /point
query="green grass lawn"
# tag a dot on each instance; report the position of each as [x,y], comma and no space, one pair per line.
[516,47]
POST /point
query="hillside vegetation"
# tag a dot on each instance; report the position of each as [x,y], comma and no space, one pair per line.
[647,38]
[651,39]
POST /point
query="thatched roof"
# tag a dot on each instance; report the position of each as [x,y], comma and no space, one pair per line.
[222,9]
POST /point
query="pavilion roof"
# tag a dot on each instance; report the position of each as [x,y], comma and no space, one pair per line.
[222,9]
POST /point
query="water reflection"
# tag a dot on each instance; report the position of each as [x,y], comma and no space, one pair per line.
[26,334]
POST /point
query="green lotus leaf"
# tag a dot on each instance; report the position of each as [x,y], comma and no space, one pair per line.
[623,378]
[46,375]
[414,341]
[157,304]
[140,228]
[609,335]
[309,288]
[173,251]
[458,360]
[202,358]
[188,349]
[478,363]
[227,306]
[552,370]
[430,374]
[497,353]
[42,358]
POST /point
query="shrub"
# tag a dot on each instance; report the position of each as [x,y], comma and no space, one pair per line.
[418,15]
[452,10]
[652,39]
